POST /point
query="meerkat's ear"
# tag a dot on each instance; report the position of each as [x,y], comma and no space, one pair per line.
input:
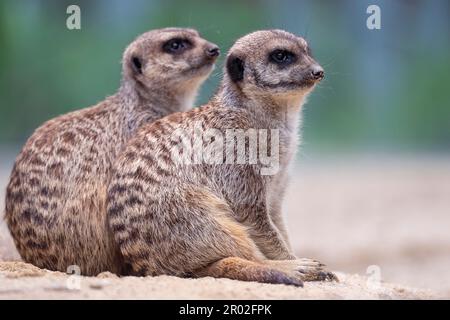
[136,64]
[235,68]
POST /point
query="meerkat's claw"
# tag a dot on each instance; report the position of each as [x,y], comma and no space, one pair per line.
[309,262]
[310,274]
[332,277]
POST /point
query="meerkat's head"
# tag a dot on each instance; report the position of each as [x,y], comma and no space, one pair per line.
[172,58]
[272,64]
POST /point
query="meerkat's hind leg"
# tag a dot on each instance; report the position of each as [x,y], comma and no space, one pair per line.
[244,261]
[309,269]
[245,270]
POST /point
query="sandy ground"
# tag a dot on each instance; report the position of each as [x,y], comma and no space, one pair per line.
[366,217]
[20,280]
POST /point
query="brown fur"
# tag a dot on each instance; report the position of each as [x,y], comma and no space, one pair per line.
[55,200]
[220,220]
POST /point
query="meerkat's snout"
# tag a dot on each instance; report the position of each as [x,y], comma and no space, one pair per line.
[317,72]
[212,51]
[312,75]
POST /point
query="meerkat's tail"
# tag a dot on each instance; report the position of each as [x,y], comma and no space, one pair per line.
[245,270]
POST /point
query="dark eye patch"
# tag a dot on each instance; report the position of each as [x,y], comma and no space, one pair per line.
[176,45]
[282,57]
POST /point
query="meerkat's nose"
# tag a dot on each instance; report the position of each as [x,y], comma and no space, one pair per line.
[213,51]
[317,72]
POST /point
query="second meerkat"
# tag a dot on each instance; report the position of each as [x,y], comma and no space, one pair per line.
[171,214]
[55,200]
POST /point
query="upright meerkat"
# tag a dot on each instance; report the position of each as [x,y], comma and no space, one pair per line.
[55,200]
[215,218]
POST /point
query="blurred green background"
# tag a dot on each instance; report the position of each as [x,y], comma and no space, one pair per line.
[385,89]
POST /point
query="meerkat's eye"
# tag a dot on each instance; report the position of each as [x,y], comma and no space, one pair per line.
[282,57]
[176,45]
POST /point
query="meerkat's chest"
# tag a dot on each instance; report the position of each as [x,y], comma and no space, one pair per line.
[276,183]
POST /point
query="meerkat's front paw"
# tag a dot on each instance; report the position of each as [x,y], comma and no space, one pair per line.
[305,269]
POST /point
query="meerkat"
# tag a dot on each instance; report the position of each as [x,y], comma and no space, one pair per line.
[55,199]
[171,214]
